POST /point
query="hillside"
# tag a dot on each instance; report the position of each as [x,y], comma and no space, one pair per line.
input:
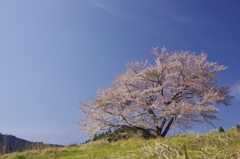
[10,143]
[194,146]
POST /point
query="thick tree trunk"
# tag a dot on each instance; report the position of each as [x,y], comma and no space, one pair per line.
[158,130]
[167,127]
[146,135]
[162,125]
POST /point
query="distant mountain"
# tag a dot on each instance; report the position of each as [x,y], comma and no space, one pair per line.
[9,143]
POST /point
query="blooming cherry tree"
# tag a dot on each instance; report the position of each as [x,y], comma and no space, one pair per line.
[180,89]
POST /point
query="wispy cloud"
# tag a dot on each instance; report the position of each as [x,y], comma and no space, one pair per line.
[178,17]
[121,10]
[139,12]
[236,90]
[106,8]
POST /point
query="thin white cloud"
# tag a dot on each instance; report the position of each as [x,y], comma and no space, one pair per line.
[236,90]
[118,9]
[139,12]
[108,9]
[178,17]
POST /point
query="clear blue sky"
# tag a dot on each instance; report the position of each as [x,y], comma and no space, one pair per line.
[55,53]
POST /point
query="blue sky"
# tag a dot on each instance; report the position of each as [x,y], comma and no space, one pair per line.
[56,53]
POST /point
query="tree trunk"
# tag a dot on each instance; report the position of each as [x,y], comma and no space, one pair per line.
[167,127]
[162,126]
[158,131]
[146,135]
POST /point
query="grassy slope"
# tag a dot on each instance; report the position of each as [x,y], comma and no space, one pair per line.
[220,145]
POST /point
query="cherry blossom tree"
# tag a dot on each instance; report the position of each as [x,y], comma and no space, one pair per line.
[179,90]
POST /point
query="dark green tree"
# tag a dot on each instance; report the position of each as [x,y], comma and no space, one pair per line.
[238,127]
[221,129]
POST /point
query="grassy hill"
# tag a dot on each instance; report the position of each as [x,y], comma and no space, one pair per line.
[225,145]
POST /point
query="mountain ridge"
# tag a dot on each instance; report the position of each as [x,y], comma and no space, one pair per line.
[10,143]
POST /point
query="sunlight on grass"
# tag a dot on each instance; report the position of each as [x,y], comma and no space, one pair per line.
[215,146]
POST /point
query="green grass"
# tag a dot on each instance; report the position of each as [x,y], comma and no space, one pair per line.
[194,146]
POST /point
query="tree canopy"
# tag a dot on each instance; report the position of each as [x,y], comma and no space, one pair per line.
[178,90]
